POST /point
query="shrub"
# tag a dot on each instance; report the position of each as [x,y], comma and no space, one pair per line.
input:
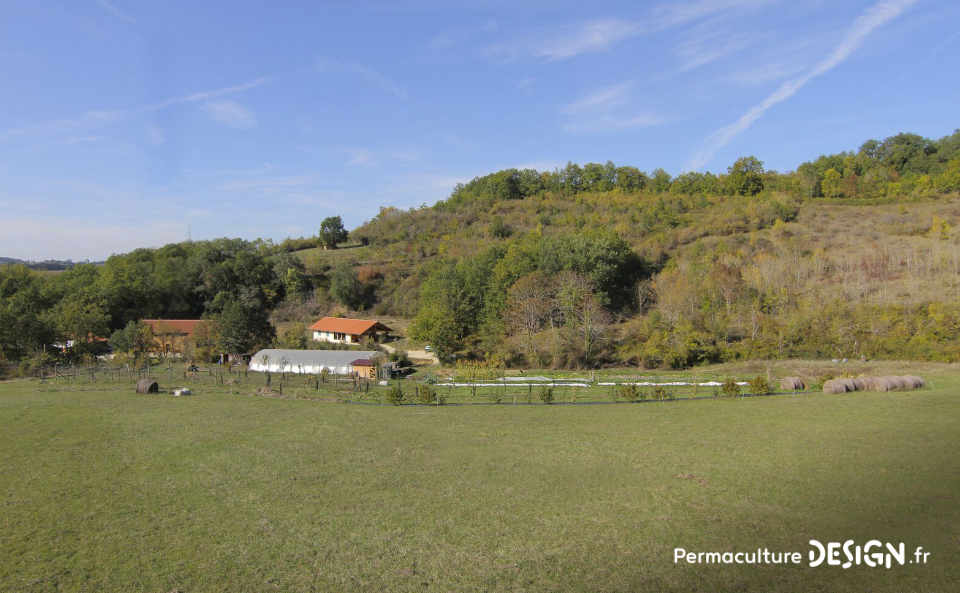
[395,395]
[730,388]
[760,386]
[31,366]
[400,357]
[630,393]
[546,395]
[661,394]
[426,394]
[817,383]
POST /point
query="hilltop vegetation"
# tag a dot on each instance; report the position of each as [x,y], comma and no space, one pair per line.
[852,255]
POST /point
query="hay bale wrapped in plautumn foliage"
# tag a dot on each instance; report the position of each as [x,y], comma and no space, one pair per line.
[147,386]
[792,384]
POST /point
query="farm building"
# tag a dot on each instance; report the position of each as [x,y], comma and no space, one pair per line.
[364,367]
[339,330]
[312,362]
[173,335]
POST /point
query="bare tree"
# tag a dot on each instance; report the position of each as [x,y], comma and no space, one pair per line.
[531,305]
[585,319]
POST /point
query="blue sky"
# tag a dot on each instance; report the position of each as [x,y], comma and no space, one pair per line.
[126,123]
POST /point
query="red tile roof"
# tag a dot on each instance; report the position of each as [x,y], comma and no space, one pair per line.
[362,362]
[184,327]
[354,327]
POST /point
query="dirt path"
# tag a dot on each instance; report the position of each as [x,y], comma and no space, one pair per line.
[414,354]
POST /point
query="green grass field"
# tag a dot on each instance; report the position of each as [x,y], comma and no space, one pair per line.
[104,490]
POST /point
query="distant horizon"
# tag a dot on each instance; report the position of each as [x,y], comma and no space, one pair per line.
[129,125]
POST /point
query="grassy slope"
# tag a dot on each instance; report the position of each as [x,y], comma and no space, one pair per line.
[877,254]
[105,490]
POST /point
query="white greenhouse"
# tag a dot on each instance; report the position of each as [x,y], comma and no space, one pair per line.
[309,362]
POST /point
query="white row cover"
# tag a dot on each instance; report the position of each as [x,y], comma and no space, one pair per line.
[644,384]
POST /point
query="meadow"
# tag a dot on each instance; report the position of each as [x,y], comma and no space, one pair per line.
[105,490]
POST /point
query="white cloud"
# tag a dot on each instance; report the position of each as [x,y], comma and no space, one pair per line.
[706,44]
[454,36]
[443,40]
[765,73]
[230,113]
[602,34]
[679,13]
[156,135]
[612,123]
[589,37]
[604,98]
[360,156]
[490,26]
[112,9]
[102,117]
[371,76]
[267,184]
[206,95]
[603,111]
[406,155]
[872,18]
[82,139]
[525,84]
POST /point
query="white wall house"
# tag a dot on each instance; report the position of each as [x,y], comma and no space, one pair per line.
[335,337]
[340,330]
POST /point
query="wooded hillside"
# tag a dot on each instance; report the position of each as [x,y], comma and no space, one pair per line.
[851,255]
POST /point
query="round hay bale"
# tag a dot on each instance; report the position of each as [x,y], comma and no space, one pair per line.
[834,386]
[899,382]
[792,384]
[147,386]
[860,383]
[914,382]
[886,383]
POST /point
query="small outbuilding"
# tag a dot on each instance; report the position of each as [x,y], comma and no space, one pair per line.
[364,368]
[312,362]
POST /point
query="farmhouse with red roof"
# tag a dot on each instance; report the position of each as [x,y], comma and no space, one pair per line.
[172,335]
[340,330]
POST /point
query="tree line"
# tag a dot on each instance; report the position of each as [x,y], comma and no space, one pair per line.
[231,282]
[896,166]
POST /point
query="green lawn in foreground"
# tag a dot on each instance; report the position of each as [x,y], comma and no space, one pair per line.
[110,491]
